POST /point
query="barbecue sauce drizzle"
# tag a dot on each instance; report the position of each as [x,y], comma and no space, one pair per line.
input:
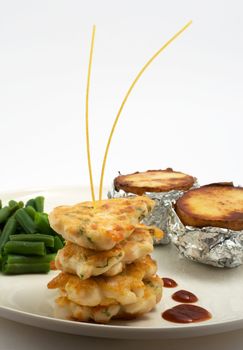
[184,296]
[184,313]
[169,282]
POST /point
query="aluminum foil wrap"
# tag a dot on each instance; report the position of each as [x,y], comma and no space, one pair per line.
[214,246]
[160,214]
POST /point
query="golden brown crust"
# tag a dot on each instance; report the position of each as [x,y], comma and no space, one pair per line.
[124,288]
[153,181]
[146,301]
[85,262]
[138,270]
[103,226]
[216,205]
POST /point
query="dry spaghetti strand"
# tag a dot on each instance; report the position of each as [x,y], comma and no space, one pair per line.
[126,97]
[87,115]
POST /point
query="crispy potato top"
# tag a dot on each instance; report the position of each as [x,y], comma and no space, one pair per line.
[103,226]
[217,205]
[153,181]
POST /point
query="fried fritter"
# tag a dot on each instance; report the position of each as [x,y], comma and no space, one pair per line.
[67,309]
[86,262]
[216,205]
[124,288]
[103,226]
[153,181]
[137,246]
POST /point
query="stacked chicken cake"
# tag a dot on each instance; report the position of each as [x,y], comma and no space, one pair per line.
[106,269]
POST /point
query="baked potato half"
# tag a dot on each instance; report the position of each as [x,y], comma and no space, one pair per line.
[153,181]
[216,205]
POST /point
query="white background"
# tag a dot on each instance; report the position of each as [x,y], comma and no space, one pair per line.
[185,112]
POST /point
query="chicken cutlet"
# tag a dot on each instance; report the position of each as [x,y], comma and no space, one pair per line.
[67,309]
[85,262]
[124,288]
[103,226]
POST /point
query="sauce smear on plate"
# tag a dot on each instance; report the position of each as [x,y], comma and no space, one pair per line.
[184,296]
[169,282]
[184,313]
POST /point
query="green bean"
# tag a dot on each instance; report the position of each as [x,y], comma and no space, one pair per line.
[31,211]
[14,209]
[21,204]
[34,237]
[42,224]
[57,244]
[15,206]
[25,248]
[21,259]
[25,221]
[30,203]
[39,204]
[16,269]
[12,203]
[4,214]
[8,230]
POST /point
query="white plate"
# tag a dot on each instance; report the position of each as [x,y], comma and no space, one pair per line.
[26,299]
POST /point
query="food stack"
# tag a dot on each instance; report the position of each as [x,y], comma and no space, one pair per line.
[106,269]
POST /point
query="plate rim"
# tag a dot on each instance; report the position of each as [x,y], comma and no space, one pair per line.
[117,331]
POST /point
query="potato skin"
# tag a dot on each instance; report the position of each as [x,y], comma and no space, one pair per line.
[153,181]
[216,205]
